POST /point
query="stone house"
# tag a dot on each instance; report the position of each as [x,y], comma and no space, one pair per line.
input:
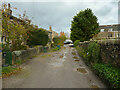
[108,31]
[54,34]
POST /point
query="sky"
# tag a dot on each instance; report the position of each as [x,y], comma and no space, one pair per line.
[60,13]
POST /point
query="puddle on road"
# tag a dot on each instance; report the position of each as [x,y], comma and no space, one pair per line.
[73,53]
[61,56]
[59,62]
[81,70]
[75,57]
[76,60]
[56,53]
[95,87]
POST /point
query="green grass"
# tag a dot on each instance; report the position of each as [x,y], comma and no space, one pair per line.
[55,49]
[7,71]
[18,62]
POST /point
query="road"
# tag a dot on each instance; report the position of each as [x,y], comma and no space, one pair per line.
[60,69]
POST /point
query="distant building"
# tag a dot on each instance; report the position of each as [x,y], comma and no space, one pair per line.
[9,11]
[49,35]
[108,31]
[62,33]
[54,34]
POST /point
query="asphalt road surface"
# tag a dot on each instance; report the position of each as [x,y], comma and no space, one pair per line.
[60,69]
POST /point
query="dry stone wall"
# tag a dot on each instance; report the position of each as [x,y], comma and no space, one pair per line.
[109,51]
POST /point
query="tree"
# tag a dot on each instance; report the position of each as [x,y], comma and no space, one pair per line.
[37,37]
[56,40]
[84,26]
[14,32]
[59,40]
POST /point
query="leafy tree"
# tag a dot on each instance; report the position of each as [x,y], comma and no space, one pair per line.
[59,40]
[14,32]
[37,37]
[76,43]
[56,40]
[84,26]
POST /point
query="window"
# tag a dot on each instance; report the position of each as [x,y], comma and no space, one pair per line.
[110,30]
[118,35]
[102,30]
[110,35]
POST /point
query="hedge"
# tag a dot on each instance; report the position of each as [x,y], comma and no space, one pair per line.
[110,74]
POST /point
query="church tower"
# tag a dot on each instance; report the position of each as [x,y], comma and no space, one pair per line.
[9,11]
[50,28]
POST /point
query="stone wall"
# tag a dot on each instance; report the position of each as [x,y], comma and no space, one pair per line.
[109,51]
[25,54]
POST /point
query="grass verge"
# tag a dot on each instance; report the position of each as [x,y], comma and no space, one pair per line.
[54,49]
[7,71]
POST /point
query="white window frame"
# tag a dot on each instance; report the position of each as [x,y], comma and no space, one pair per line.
[110,30]
[102,30]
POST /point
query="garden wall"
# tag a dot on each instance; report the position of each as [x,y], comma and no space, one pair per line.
[109,51]
[25,54]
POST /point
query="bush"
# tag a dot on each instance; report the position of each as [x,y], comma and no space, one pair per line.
[56,41]
[37,37]
[21,47]
[5,48]
[59,40]
[93,52]
[76,43]
[18,62]
[108,73]
[81,52]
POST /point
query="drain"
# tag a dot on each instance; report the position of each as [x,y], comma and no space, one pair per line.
[82,70]
[76,60]
[75,57]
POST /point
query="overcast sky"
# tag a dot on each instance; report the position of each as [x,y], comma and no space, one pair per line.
[59,13]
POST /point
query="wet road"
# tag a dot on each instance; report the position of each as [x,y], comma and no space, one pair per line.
[60,69]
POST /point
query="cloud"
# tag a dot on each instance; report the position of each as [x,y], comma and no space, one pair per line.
[60,0]
[59,14]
